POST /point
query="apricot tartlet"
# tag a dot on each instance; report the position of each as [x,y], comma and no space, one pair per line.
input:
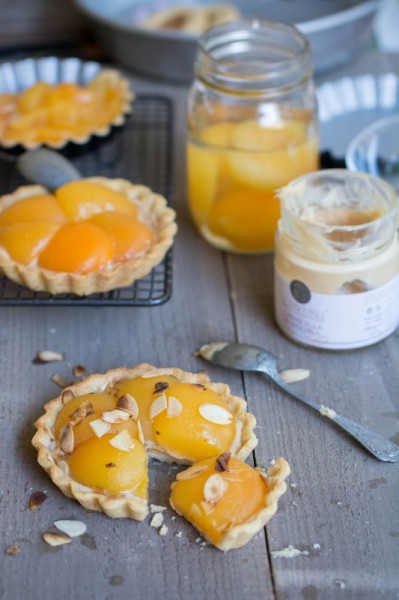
[227,500]
[94,439]
[54,114]
[90,235]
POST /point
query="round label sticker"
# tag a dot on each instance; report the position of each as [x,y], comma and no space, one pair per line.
[300,292]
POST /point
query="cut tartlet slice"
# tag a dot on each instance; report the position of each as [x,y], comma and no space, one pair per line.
[57,112]
[106,234]
[227,500]
[92,443]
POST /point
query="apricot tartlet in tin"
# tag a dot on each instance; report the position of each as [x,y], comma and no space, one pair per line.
[90,235]
[94,440]
[55,113]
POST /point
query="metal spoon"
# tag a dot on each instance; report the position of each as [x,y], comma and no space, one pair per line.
[46,167]
[246,357]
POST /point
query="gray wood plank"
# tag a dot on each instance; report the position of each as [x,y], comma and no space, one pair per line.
[341,511]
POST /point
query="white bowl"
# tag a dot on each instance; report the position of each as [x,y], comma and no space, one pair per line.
[375,150]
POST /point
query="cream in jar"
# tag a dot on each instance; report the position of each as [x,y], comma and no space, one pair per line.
[337,260]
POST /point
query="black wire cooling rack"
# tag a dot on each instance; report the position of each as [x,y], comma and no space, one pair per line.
[140,151]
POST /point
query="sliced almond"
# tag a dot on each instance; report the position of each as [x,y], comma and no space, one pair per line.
[174,407]
[122,441]
[129,404]
[293,375]
[67,439]
[115,416]
[157,406]
[222,462]
[214,488]
[160,386]
[36,499]
[78,370]
[67,396]
[71,527]
[59,380]
[45,356]
[191,472]
[100,427]
[88,407]
[79,413]
[55,539]
[215,414]
[14,549]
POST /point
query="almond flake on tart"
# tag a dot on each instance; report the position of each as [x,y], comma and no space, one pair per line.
[54,114]
[227,500]
[91,235]
[99,457]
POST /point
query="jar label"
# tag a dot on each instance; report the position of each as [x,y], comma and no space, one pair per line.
[336,321]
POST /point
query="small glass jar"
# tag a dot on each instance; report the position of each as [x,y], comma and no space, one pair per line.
[252,128]
[337,260]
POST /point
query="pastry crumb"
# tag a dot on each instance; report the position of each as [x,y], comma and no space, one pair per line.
[289,552]
[340,583]
[327,412]
[163,530]
[179,534]
[157,508]
[157,520]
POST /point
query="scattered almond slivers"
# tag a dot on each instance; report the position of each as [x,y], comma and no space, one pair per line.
[71,527]
[215,414]
[293,375]
[128,404]
[46,356]
[115,416]
[157,406]
[55,539]
[59,380]
[67,439]
[174,407]
[67,396]
[100,427]
[36,499]
[214,488]
[122,441]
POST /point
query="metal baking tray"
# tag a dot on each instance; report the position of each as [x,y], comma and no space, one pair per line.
[140,151]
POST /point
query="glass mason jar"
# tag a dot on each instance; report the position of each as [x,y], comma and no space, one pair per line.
[252,128]
[337,260]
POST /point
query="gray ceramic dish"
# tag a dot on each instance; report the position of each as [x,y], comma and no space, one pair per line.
[337,31]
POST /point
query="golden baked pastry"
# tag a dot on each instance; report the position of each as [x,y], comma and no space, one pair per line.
[191,19]
[227,500]
[91,235]
[55,114]
[93,440]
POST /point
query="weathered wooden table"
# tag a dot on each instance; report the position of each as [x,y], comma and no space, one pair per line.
[340,511]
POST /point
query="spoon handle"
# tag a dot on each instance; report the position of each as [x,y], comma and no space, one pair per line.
[374,442]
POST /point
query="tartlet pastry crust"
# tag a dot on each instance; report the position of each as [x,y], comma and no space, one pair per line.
[108,78]
[124,504]
[152,210]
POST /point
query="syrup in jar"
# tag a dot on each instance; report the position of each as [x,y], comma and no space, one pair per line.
[252,128]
